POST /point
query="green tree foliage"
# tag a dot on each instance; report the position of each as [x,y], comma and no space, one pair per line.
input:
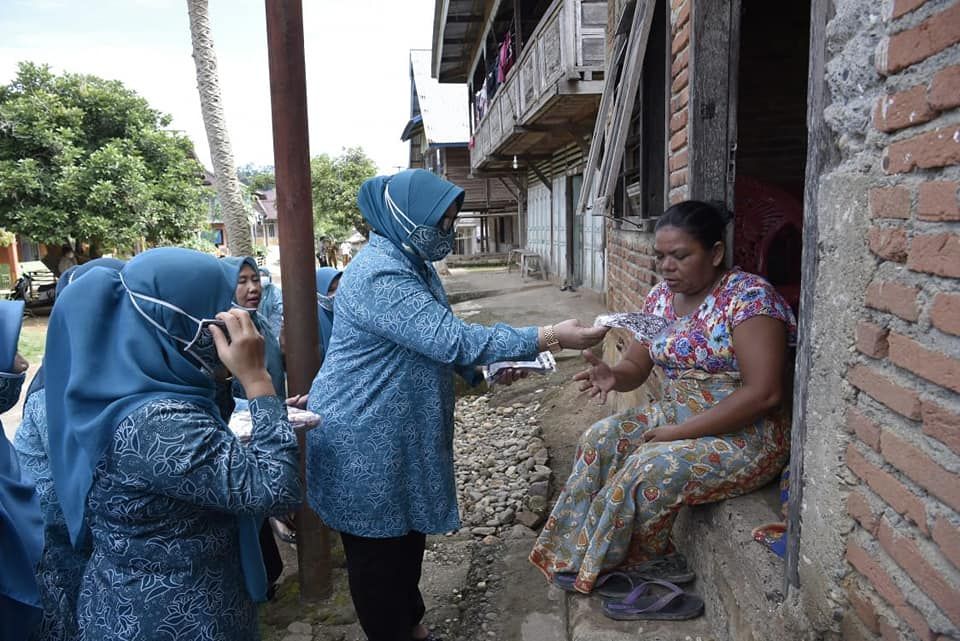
[87,158]
[257,178]
[336,182]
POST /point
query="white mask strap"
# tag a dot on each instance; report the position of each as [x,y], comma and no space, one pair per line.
[397,212]
[133,299]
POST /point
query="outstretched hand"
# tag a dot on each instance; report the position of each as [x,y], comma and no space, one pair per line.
[573,335]
[598,379]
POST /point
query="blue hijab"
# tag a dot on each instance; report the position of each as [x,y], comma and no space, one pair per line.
[325,276]
[67,278]
[127,362]
[232,266]
[21,530]
[422,195]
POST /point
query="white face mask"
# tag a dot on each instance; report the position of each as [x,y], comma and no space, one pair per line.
[201,347]
[326,302]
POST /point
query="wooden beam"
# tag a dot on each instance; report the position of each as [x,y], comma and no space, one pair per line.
[539,174]
[508,187]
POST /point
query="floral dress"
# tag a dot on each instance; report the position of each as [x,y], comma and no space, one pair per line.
[618,506]
[61,566]
[163,516]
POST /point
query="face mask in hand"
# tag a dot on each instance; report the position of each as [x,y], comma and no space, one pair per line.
[430,243]
[201,347]
[10,385]
[326,302]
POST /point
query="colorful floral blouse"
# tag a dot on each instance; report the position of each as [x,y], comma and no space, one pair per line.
[704,338]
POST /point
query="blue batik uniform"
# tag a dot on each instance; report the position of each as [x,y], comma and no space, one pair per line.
[61,566]
[143,464]
[382,465]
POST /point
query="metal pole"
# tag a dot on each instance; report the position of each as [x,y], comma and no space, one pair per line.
[288,98]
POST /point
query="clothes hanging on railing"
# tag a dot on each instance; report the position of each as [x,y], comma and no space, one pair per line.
[505,58]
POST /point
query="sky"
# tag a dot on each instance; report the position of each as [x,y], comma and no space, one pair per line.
[357,60]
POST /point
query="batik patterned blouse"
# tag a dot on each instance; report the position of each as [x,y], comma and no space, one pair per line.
[703,339]
[61,566]
[381,465]
[163,515]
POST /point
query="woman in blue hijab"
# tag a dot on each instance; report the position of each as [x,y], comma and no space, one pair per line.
[381,469]
[328,279]
[61,566]
[248,294]
[271,302]
[141,460]
[21,525]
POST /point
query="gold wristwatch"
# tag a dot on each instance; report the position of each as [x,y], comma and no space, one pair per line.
[551,340]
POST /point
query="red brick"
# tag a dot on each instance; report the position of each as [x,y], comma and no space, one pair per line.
[937,148]
[893,297]
[944,90]
[947,536]
[681,39]
[859,508]
[935,254]
[680,100]
[920,468]
[889,630]
[910,46]
[678,161]
[889,243]
[683,15]
[945,313]
[864,609]
[932,365]
[879,387]
[888,487]
[872,339]
[680,81]
[678,140]
[678,178]
[907,554]
[681,61]
[678,121]
[871,569]
[852,629]
[902,109]
[942,424]
[865,429]
[900,7]
[676,197]
[890,202]
[937,201]
[677,3]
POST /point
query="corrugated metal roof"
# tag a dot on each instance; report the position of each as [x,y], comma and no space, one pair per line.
[443,106]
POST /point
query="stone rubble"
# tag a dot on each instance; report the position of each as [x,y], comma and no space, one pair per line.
[501,468]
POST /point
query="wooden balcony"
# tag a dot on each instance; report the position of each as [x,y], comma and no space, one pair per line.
[550,96]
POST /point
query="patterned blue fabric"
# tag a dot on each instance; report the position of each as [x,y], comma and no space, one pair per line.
[271,307]
[325,277]
[382,465]
[162,512]
[61,566]
[21,533]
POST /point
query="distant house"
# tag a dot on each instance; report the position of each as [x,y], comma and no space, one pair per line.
[261,210]
[265,209]
[439,133]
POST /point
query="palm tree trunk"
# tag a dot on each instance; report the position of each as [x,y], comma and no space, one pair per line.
[221,153]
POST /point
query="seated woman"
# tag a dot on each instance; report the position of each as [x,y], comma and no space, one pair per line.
[142,462]
[61,566]
[718,431]
[328,279]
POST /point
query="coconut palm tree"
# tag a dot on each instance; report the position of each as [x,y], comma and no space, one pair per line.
[221,153]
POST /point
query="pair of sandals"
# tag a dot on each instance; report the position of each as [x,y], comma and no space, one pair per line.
[645,591]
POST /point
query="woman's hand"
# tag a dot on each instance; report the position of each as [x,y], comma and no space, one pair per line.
[598,379]
[299,401]
[510,376]
[20,364]
[243,354]
[573,335]
[664,434]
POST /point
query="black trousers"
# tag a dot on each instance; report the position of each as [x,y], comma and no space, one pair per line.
[272,561]
[384,577]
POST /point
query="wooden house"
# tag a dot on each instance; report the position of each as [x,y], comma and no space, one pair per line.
[534,73]
[438,133]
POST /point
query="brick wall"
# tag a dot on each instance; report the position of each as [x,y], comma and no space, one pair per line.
[677,153]
[904,419]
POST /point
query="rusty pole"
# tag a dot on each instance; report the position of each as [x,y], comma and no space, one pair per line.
[288,98]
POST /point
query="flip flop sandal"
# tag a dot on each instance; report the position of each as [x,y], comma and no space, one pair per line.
[565,581]
[641,604]
[614,585]
[671,568]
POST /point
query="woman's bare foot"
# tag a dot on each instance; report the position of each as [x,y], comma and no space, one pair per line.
[420,632]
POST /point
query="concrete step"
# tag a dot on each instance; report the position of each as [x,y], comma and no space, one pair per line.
[587,622]
[741,581]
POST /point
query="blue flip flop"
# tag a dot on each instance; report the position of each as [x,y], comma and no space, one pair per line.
[643,604]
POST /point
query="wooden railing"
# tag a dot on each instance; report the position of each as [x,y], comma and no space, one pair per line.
[555,52]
